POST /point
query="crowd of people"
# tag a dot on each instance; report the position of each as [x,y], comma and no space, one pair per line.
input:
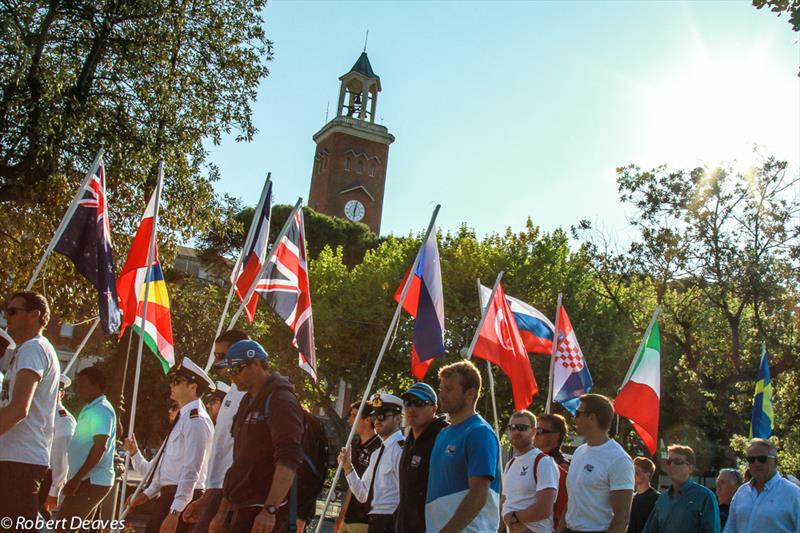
[423,459]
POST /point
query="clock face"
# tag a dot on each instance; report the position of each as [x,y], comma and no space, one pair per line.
[354,210]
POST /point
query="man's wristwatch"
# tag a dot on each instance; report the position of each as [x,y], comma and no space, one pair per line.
[271,509]
[514,519]
[174,512]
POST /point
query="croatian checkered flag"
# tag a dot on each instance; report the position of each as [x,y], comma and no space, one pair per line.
[285,289]
[571,377]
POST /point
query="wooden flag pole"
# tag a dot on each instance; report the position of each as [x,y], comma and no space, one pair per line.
[251,290]
[137,375]
[551,372]
[65,220]
[81,346]
[377,365]
[489,365]
[237,268]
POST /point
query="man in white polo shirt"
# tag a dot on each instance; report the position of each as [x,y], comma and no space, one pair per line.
[27,406]
[530,482]
[600,479]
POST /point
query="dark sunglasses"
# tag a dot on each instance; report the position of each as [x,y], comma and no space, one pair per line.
[219,355]
[542,431]
[381,416]
[235,369]
[11,311]
[760,458]
[413,402]
[518,427]
[178,380]
[676,462]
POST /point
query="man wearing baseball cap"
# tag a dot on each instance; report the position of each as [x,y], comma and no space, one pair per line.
[179,475]
[419,403]
[267,445]
[381,479]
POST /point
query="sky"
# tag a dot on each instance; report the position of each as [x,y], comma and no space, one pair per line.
[508,110]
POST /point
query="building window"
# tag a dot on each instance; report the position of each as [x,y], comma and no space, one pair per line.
[372,171]
[347,164]
[360,166]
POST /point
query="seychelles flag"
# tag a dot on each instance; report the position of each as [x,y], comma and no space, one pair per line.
[131,288]
[535,328]
[425,302]
[761,422]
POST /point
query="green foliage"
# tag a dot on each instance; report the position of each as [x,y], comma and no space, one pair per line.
[792,7]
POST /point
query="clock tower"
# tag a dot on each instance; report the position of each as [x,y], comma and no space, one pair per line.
[352,151]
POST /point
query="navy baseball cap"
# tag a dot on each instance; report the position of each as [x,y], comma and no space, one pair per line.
[423,391]
[241,351]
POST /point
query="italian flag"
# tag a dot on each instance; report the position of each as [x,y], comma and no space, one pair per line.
[639,397]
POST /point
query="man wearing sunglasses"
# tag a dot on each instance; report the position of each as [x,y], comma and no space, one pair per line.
[381,479]
[27,406]
[600,478]
[686,506]
[769,501]
[202,511]
[354,515]
[531,480]
[419,403]
[179,474]
[267,445]
[551,429]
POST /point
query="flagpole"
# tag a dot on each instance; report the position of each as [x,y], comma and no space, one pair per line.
[551,372]
[641,345]
[484,309]
[377,365]
[238,266]
[63,224]
[489,369]
[150,470]
[137,375]
[281,235]
[81,345]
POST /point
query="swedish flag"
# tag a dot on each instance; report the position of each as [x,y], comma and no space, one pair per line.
[761,423]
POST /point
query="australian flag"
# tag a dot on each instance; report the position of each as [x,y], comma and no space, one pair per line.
[86,241]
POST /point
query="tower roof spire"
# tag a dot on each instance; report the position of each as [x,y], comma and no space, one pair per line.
[363,66]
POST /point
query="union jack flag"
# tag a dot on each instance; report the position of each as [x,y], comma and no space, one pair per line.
[286,290]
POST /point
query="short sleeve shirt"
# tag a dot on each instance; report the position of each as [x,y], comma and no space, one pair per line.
[29,440]
[96,418]
[595,471]
[522,484]
[464,450]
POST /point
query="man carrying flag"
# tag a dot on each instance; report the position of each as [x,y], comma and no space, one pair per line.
[253,255]
[286,289]
[639,397]
[571,377]
[86,241]
[425,302]
[499,341]
[761,422]
[131,288]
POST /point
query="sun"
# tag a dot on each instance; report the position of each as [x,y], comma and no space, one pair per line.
[710,106]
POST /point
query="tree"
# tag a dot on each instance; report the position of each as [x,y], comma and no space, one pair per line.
[720,251]
[149,80]
[792,7]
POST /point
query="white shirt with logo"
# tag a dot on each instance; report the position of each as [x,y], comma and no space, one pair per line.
[222,447]
[595,471]
[520,485]
[30,439]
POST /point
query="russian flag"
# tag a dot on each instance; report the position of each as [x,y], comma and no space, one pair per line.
[425,302]
[535,328]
